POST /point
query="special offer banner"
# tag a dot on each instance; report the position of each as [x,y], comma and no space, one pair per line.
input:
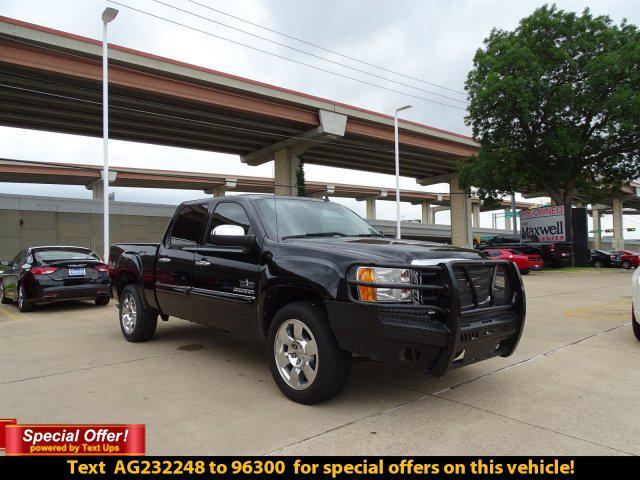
[73,440]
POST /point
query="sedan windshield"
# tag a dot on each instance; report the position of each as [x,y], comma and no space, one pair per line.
[285,218]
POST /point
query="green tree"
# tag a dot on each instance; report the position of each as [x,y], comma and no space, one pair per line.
[555,106]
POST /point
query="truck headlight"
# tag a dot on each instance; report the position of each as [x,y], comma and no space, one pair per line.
[395,276]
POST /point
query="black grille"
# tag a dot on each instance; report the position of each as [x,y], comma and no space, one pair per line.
[481,286]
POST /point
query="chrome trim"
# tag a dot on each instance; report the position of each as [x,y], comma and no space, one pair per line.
[220,294]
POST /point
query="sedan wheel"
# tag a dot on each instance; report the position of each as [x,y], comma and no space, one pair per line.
[23,305]
[626,264]
[296,354]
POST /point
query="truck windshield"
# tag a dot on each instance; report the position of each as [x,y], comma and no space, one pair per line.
[304,218]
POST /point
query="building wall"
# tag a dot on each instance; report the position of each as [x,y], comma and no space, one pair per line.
[31,221]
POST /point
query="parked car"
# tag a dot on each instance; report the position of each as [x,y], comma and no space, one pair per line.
[555,254]
[318,283]
[40,275]
[521,260]
[635,305]
[628,259]
[535,261]
[604,258]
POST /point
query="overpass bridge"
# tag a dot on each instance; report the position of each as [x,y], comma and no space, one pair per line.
[51,80]
[90,176]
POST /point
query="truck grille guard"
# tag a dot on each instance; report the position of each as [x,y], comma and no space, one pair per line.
[482,304]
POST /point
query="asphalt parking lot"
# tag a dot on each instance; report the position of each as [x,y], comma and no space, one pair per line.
[572,387]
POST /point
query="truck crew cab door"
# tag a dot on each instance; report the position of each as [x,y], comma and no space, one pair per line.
[175,263]
[228,271]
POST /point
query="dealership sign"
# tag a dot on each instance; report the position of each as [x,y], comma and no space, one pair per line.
[547,223]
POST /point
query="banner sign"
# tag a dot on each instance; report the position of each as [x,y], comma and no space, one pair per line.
[75,440]
[546,223]
[3,423]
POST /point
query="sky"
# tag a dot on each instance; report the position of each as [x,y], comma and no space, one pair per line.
[429,40]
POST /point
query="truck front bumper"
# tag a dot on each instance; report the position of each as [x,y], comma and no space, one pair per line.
[434,341]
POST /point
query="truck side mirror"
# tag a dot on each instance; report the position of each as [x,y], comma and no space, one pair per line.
[231,235]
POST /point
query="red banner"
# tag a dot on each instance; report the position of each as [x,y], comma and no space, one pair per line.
[75,440]
[3,423]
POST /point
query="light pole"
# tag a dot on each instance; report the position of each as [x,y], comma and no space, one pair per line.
[395,130]
[107,16]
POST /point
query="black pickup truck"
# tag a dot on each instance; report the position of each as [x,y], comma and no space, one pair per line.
[319,284]
[554,254]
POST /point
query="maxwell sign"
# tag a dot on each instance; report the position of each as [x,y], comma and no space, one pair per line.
[547,223]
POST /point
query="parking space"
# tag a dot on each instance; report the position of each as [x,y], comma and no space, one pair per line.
[572,387]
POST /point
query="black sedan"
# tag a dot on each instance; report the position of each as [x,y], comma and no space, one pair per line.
[41,275]
[602,258]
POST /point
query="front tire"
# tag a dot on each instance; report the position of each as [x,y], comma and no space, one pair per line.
[304,357]
[525,272]
[636,325]
[598,264]
[23,305]
[137,323]
[626,264]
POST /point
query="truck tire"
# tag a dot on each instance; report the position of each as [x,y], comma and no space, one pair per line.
[636,325]
[304,357]
[23,305]
[137,323]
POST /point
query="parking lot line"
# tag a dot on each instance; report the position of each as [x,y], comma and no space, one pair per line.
[9,315]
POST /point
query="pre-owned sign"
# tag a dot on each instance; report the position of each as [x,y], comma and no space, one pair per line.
[547,223]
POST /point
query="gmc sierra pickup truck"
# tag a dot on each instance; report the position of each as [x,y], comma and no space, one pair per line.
[318,284]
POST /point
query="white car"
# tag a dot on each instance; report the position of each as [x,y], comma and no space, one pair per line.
[635,308]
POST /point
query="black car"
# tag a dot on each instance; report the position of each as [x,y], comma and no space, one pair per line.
[602,258]
[40,275]
[318,284]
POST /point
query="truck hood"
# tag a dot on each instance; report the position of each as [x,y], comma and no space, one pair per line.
[385,250]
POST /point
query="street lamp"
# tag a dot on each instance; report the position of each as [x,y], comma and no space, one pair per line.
[395,130]
[107,16]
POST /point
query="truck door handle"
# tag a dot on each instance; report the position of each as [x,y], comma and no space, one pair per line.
[202,263]
[164,259]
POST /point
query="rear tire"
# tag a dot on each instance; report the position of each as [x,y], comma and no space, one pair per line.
[636,325]
[102,301]
[300,332]
[598,264]
[137,323]
[23,305]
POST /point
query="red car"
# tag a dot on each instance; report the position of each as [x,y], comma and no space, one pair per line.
[521,260]
[628,259]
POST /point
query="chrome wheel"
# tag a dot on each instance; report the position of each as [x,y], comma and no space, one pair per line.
[128,314]
[296,354]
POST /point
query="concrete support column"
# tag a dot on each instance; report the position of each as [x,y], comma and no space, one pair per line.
[371,208]
[428,213]
[221,190]
[507,220]
[286,165]
[597,234]
[475,210]
[618,231]
[461,233]
[97,190]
